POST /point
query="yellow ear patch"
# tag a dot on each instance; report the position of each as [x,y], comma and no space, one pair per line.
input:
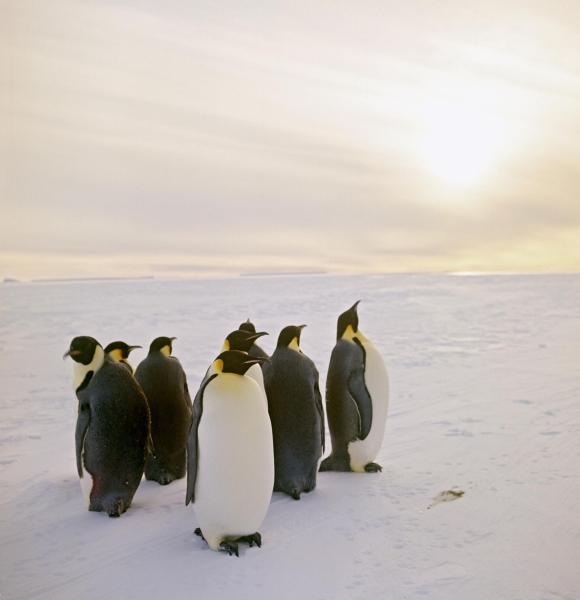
[294,345]
[166,350]
[219,365]
[348,333]
[116,354]
[226,346]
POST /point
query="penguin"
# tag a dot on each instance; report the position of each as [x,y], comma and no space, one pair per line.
[113,428]
[119,352]
[242,340]
[230,458]
[295,407]
[163,380]
[255,350]
[357,399]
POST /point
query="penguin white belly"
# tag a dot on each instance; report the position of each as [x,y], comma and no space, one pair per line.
[255,372]
[365,451]
[86,485]
[235,473]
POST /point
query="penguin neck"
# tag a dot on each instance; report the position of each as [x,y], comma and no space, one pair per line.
[81,371]
[349,335]
[293,345]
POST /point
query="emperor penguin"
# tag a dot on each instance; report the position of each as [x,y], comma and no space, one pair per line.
[295,407]
[357,399]
[254,350]
[230,458]
[243,340]
[119,352]
[112,431]
[163,380]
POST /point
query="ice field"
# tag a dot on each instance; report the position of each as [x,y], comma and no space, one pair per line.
[485,400]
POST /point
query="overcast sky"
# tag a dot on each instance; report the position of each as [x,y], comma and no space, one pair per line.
[182,138]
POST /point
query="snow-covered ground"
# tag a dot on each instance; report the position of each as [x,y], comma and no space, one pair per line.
[485,399]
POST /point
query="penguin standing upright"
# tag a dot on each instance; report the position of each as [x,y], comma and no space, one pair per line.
[357,399]
[112,431]
[230,460]
[254,350]
[163,380]
[119,352]
[295,407]
[242,340]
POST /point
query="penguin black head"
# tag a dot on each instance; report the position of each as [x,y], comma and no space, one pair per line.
[120,350]
[248,326]
[235,361]
[162,344]
[82,349]
[242,340]
[289,334]
[349,317]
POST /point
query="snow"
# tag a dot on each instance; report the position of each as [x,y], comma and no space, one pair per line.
[485,392]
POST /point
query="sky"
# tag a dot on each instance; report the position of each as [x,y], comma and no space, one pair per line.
[208,138]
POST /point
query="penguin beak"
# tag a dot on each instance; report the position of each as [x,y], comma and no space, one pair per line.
[257,359]
[355,305]
[173,338]
[255,336]
[301,327]
[71,353]
[131,348]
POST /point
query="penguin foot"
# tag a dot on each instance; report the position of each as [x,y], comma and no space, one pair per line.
[165,479]
[373,468]
[230,548]
[199,533]
[255,538]
[330,464]
[294,493]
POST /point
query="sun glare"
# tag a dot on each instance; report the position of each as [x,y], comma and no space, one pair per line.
[461,143]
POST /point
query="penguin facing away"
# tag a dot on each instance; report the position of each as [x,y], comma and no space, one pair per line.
[230,459]
[113,428]
[243,340]
[255,350]
[357,399]
[119,352]
[164,383]
[295,407]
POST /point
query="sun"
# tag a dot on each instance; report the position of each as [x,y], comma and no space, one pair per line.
[461,143]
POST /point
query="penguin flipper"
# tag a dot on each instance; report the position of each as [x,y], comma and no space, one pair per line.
[358,390]
[192,442]
[83,421]
[318,402]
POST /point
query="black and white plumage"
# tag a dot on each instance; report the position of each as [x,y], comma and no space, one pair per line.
[113,428]
[164,382]
[297,415]
[357,399]
[119,352]
[230,460]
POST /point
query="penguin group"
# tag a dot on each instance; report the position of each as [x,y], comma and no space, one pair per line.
[256,424]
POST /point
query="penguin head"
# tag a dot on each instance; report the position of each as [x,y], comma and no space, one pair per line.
[119,350]
[248,326]
[241,340]
[348,319]
[235,361]
[162,344]
[83,349]
[290,337]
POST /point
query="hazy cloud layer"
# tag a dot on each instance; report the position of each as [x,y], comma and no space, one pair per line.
[223,137]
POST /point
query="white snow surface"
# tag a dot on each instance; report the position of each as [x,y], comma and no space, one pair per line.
[485,386]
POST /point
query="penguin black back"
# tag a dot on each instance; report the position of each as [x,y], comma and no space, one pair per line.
[164,382]
[295,407]
[112,437]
